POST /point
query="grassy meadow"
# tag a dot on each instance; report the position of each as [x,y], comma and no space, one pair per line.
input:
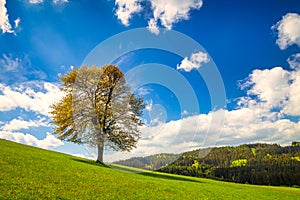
[31,173]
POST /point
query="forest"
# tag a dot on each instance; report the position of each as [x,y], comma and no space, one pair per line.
[260,164]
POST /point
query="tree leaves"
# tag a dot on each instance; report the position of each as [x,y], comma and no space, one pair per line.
[98,108]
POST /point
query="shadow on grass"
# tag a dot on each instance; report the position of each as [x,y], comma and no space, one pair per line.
[138,171]
[91,162]
[154,174]
[170,177]
[126,169]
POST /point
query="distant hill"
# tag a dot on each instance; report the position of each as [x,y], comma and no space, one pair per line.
[263,164]
[153,162]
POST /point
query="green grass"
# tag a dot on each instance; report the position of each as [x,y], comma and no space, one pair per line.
[32,173]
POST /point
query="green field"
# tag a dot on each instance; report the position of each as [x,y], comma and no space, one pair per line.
[31,173]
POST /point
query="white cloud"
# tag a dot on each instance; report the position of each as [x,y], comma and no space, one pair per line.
[49,141]
[36,1]
[171,12]
[194,62]
[294,61]
[275,88]
[288,30]
[17,22]
[60,1]
[5,26]
[37,98]
[174,137]
[18,124]
[241,126]
[10,64]
[185,112]
[270,86]
[149,105]
[165,12]
[153,27]
[292,106]
[18,69]
[142,91]
[126,9]
[247,127]
[54,1]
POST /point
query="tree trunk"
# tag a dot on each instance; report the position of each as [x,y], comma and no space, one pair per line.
[100,153]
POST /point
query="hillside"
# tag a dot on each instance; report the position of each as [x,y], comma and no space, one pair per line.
[31,173]
[263,164]
[153,162]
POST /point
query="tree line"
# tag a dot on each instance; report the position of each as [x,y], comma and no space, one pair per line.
[261,164]
[152,162]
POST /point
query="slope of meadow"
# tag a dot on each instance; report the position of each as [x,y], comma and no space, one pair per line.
[31,173]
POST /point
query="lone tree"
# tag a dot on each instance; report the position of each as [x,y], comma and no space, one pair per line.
[98,109]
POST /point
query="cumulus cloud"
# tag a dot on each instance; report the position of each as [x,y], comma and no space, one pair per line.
[165,12]
[153,27]
[274,88]
[288,29]
[294,61]
[18,124]
[195,61]
[37,98]
[126,9]
[271,86]
[5,26]
[292,106]
[243,125]
[48,141]
[171,12]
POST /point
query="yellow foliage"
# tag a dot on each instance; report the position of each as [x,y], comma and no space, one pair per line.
[239,163]
[96,107]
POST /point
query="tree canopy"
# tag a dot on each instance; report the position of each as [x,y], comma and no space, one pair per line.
[98,109]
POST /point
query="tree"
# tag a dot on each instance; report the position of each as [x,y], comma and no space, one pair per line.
[98,109]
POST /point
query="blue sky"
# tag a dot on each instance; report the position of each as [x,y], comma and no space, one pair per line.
[212,72]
